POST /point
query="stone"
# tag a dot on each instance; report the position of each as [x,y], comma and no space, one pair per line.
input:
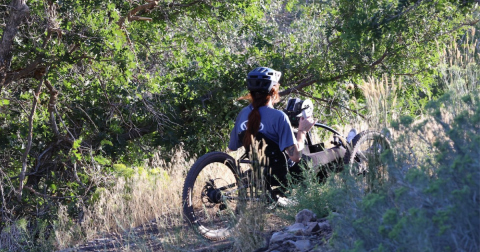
[280,237]
[307,234]
[312,227]
[305,216]
[324,226]
[289,242]
[303,245]
[295,228]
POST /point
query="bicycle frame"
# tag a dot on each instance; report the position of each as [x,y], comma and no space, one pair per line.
[328,128]
[226,194]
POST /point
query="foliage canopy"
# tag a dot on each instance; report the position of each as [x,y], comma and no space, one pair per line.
[86,84]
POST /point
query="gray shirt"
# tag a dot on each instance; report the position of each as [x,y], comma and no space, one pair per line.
[274,125]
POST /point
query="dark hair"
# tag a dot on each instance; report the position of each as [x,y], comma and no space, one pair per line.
[257,100]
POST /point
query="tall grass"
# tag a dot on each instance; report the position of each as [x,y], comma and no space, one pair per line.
[132,197]
[381,100]
[458,67]
[142,195]
[432,202]
[252,219]
[136,196]
[19,236]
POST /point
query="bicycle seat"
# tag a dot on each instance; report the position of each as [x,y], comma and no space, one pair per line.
[276,160]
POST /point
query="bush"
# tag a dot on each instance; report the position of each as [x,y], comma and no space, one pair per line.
[434,204]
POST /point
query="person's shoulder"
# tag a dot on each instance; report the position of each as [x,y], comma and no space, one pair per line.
[280,112]
[246,109]
[276,113]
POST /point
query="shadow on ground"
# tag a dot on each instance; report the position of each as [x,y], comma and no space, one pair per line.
[149,237]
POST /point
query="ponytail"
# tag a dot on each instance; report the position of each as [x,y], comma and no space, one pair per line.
[257,99]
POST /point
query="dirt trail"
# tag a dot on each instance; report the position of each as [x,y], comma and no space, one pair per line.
[149,237]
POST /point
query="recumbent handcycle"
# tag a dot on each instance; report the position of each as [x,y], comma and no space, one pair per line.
[218,187]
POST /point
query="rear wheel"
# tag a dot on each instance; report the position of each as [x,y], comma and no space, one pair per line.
[213,195]
[366,159]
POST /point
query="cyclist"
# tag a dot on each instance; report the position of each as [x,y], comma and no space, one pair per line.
[260,117]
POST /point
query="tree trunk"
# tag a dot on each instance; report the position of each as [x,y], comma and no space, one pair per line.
[18,10]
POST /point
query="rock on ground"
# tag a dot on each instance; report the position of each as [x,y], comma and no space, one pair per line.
[305,235]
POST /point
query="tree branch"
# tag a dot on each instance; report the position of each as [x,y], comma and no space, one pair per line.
[64,125]
[75,174]
[298,87]
[29,139]
[307,82]
[401,13]
[19,10]
[32,70]
[51,107]
[131,14]
[136,133]
[331,102]
[380,60]
[48,196]
[93,123]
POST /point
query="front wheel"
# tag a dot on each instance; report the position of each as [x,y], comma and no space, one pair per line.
[212,195]
[366,158]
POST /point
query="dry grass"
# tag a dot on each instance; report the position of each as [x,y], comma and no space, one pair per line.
[153,195]
[150,194]
[381,100]
[10,237]
[459,66]
[252,220]
[248,233]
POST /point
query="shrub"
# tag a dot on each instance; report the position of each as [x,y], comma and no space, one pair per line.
[434,204]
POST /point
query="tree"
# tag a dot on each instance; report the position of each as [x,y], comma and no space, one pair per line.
[80,81]
[85,84]
[321,45]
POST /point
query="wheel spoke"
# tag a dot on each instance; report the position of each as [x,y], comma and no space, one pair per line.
[365,159]
[215,195]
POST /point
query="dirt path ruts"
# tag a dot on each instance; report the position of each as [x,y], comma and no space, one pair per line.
[149,237]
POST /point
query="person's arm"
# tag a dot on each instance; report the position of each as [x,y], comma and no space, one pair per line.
[294,152]
[234,141]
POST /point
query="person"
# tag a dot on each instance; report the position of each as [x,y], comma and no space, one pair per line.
[260,118]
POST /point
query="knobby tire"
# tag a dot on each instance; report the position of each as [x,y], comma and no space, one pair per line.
[192,210]
[368,162]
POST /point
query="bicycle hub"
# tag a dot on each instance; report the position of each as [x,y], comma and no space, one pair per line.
[214,195]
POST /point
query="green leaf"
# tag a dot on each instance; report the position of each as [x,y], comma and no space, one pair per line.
[106,142]
[76,143]
[4,102]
